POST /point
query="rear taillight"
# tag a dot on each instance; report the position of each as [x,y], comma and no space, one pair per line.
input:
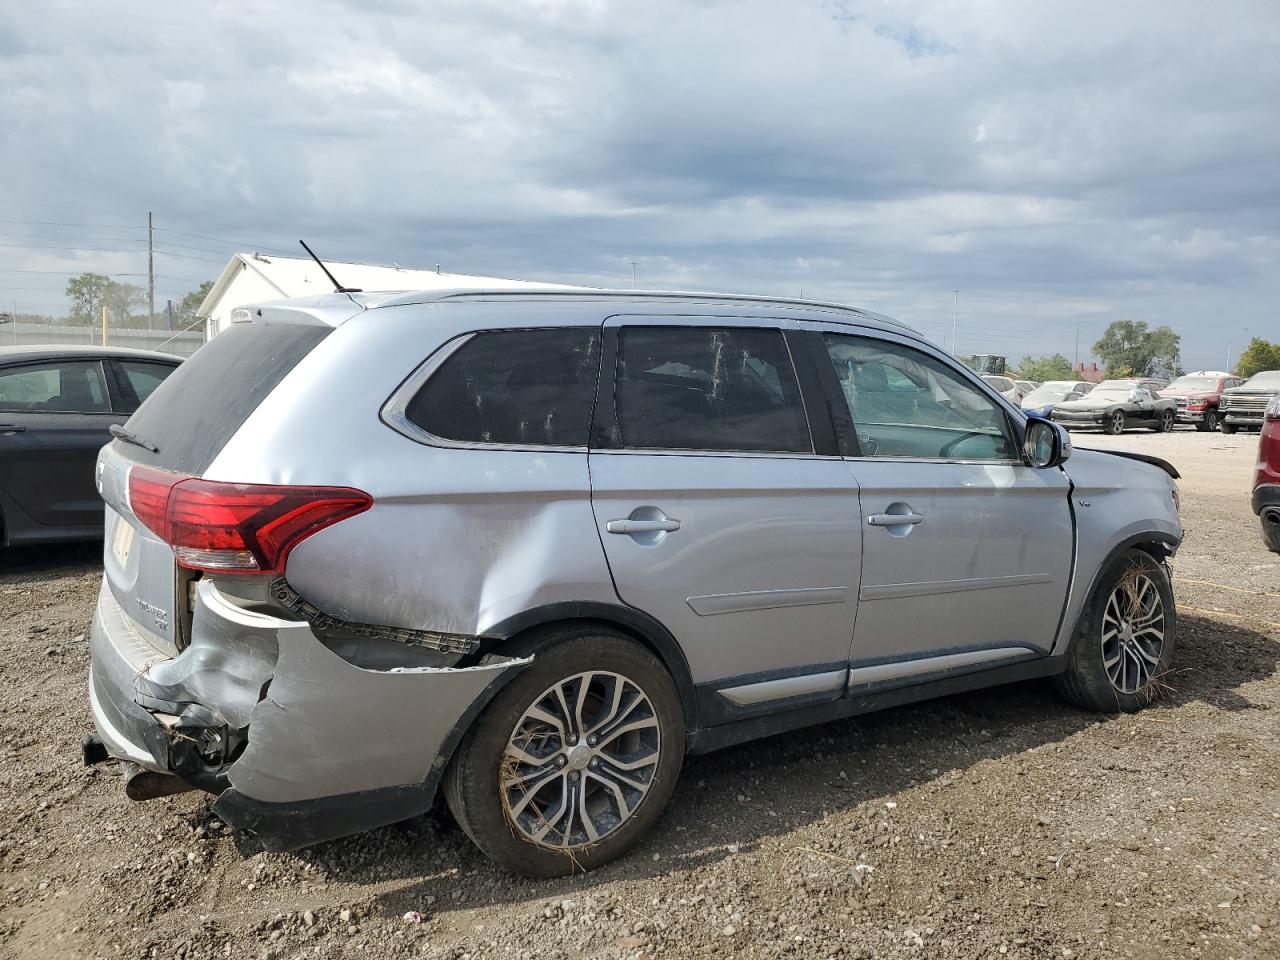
[241,527]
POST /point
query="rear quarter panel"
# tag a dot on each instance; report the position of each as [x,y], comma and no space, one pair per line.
[458,539]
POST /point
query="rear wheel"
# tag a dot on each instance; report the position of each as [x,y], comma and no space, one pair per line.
[574,760]
[1209,423]
[1270,520]
[1125,642]
[1114,424]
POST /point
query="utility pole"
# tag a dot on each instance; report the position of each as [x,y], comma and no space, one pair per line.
[151,272]
[955,310]
[104,324]
[633,272]
[1076,364]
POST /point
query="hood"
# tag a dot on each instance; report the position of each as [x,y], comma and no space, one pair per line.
[1087,402]
[1254,391]
[1189,394]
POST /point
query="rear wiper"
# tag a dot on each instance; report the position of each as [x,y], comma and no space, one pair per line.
[128,436]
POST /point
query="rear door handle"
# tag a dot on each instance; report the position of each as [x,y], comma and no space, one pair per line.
[895,519]
[11,428]
[668,525]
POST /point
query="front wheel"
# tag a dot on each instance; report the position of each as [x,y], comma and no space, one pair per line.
[1229,428]
[1270,521]
[1125,642]
[574,759]
[1164,422]
[1114,423]
[1209,423]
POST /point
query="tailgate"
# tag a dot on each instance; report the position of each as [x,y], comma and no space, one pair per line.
[138,567]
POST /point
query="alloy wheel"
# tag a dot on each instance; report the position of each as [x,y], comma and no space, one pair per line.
[1117,422]
[1133,626]
[580,760]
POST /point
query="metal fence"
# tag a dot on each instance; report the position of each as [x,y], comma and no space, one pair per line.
[26,333]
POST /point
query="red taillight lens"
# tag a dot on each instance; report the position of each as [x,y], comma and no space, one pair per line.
[245,527]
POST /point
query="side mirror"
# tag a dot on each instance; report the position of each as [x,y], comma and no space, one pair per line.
[1046,443]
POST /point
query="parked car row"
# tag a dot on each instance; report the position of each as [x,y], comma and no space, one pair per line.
[1114,405]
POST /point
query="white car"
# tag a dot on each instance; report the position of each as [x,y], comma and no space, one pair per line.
[1007,387]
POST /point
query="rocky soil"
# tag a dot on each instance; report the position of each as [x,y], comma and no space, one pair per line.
[996,824]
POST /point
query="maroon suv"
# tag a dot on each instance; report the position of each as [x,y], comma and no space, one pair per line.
[1198,394]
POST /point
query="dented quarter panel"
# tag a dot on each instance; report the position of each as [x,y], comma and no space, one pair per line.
[389,732]
[1114,500]
[458,539]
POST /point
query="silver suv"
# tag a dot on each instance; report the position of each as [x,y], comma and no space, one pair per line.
[527,550]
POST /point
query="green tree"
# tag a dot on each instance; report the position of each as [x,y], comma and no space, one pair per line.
[90,292]
[1258,355]
[1056,367]
[185,316]
[1129,345]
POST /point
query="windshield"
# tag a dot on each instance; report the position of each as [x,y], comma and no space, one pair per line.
[1267,378]
[1194,383]
[1049,392]
[1000,383]
[1104,392]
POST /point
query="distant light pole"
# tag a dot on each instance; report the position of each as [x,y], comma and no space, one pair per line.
[955,310]
[633,272]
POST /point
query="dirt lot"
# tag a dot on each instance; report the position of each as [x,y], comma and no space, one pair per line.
[1000,824]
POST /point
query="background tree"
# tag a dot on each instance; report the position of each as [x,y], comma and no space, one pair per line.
[184,311]
[90,292]
[1129,346]
[1259,355]
[1056,367]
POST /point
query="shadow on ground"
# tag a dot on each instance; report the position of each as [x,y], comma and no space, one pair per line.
[745,794]
[49,559]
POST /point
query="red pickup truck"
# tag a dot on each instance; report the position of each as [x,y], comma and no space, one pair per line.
[1266,477]
[1198,394]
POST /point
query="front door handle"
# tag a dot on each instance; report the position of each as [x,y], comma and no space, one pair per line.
[668,525]
[11,428]
[895,519]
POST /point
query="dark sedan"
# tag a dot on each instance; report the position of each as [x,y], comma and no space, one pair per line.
[57,404]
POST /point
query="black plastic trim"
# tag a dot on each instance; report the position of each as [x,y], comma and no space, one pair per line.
[1265,495]
[816,404]
[727,735]
[289,826]
[1164,465]
[629,619]
[837,406]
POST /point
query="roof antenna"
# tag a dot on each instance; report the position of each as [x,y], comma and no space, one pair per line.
[337,287]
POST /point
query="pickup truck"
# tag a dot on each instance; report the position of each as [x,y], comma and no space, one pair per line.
[1198,394]
[1243,406]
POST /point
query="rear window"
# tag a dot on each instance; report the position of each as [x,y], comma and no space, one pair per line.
[707,388]
[196,410]
[522,387]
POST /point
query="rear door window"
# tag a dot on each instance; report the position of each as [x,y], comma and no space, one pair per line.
[513,387]
[143,378]
[708,388]
[67,386]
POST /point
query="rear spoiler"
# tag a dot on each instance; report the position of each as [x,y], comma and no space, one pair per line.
[1164,465]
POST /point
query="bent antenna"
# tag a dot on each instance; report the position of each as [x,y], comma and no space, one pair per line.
[337,287]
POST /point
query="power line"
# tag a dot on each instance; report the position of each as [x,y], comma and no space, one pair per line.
[91,226]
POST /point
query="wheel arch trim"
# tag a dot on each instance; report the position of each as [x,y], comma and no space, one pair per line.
[636,623]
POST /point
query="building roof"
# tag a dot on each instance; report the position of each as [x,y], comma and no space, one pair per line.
[301,277]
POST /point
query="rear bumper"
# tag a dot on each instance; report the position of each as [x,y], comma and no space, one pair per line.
[299,744]
[1265,495]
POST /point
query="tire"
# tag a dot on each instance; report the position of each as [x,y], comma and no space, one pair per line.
[1114,423]
[1270,521]
[1229,428]
[1112,674]
[1164,422]
[1209,423]
[487,787]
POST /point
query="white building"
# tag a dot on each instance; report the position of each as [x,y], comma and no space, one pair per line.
[254,278]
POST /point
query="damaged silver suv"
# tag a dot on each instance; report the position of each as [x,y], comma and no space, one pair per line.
[526,550]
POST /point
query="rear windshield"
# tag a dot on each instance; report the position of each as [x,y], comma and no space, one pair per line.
[193,414]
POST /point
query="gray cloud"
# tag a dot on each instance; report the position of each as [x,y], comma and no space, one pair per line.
[1061,167]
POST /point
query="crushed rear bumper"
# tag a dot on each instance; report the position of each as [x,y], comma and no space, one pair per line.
[299,744]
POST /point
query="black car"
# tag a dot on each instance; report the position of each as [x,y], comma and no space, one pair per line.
[57,404]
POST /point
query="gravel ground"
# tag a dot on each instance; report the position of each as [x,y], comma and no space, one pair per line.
[1001,823]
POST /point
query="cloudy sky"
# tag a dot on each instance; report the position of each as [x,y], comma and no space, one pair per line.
[1060,164]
